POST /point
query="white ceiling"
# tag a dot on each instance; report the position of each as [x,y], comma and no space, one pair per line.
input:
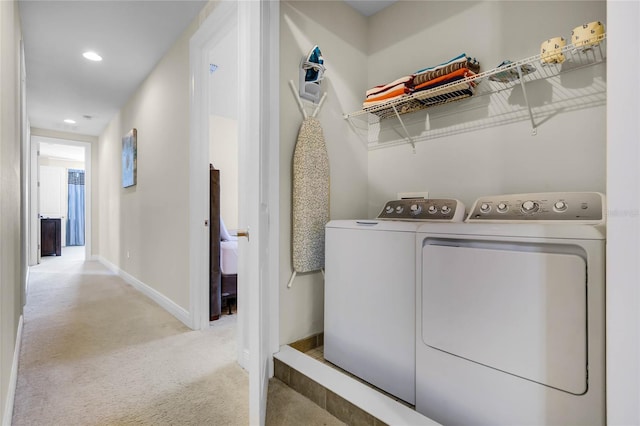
[130,35]
[369,7]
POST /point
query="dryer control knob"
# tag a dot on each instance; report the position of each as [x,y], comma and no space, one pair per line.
[560,206]
[432,209]
[529,207]
[399,209]
[445,209]
[502,207]
[389,209]
[485,208]
[415,209]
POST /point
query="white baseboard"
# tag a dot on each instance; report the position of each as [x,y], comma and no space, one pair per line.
[244,360]
[13,378]
[167,304]
[26,283]
[376,403]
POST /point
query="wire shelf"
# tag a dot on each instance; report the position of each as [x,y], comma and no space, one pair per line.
[497,86]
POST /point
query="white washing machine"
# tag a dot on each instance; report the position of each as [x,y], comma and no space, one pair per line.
[510,324]
[369,305]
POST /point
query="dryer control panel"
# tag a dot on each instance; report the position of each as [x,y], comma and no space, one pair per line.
[582,207]
[421,209]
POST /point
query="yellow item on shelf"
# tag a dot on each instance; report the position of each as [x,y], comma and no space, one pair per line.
[551,50]
[587,35]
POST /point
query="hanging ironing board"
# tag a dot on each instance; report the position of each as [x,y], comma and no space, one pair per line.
[310,194]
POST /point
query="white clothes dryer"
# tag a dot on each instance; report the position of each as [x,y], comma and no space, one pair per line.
[510,312]
[369,306]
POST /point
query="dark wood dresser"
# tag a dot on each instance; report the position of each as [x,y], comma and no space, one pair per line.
[50,237]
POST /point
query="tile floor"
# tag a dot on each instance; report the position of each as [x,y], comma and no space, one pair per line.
[317,353]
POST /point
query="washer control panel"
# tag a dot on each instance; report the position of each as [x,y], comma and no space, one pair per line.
[421,209]
[584,207]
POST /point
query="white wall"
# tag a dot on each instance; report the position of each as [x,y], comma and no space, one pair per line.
[10,205]
[567,154]
[623,224]
[223,154]
[341,34]
[54,193]
[223,123]
[66,164]
[144,229]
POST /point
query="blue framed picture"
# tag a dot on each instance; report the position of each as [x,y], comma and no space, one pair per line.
[130,158]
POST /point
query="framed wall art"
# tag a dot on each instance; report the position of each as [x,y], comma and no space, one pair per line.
[130,158]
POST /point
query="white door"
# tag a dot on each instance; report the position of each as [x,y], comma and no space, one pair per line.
[34,206]
[258,171]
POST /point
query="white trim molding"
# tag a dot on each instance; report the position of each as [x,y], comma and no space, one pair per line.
[167,304]
[13,377]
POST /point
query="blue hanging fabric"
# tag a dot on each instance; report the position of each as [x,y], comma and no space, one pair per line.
[75,217]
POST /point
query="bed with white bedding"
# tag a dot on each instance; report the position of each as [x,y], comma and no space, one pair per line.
[229,257]
[228,266]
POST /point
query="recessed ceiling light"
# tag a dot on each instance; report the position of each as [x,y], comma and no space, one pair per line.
[92,56]
[69,121]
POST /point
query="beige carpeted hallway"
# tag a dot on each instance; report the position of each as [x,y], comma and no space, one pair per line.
[95,351]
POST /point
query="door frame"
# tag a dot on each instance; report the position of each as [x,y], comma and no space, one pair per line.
[210,32]
[34,222]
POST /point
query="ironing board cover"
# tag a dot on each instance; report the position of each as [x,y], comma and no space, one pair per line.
[310,197]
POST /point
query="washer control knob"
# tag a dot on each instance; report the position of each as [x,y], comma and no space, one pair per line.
[432,209]
[389,209]
[399,209]
[560,206]
[485,208]
[502,207]
[529,207]
[415,209]
[445,209]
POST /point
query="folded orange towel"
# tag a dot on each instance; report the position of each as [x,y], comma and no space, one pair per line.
[377,89]
[399,90]
[462,72]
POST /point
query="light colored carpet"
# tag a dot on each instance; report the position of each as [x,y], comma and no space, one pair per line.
[97,352]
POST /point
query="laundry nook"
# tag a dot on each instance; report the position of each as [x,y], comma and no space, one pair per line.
[464,267]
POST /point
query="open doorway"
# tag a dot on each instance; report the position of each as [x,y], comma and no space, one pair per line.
[223,156]
[216,140]
[61,204]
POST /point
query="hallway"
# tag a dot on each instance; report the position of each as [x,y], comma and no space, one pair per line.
[96,351]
